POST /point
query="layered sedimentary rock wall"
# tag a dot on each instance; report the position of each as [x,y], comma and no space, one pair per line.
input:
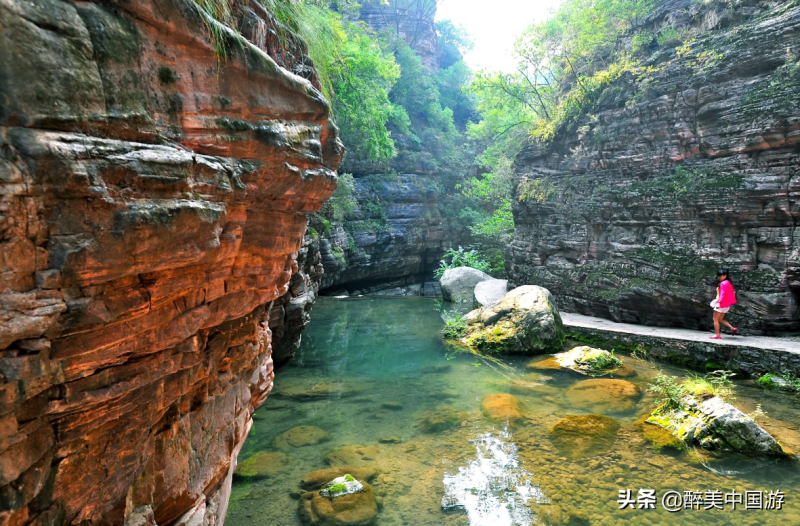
[394,237]
[411,20]
[153,197]
[628,214]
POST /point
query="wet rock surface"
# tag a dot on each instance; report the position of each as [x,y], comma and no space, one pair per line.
[153,202]
[605,395]
[301,436]
[502,407]
[584,435]
[264,464]
[354,509]
[715,424]
[660,186]
[524,321]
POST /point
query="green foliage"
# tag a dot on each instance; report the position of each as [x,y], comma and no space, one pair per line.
[717,384]
[497,225]
[539,190]
[768,382]
[461,258]
[362,79]
[454,327]
[453,41]
[342,200]
[349,478]
[668,393]
[668,36]
[599,361]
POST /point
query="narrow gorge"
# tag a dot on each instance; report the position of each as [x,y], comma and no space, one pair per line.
[226,227]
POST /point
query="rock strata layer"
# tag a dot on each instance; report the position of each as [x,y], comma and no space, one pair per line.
[153,198]
[394,236]
[640,202]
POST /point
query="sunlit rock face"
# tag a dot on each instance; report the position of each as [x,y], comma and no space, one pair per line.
[654,190]
[152,202]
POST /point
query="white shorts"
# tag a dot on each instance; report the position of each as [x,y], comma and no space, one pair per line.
[726,309]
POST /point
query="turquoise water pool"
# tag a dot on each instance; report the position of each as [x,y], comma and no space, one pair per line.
[373,386]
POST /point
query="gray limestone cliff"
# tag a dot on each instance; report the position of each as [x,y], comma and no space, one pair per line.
[628,213]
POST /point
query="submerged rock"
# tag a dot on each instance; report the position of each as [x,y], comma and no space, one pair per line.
[501,406]
[348,509]
[489,292]
[579,436]
[715,424]
[352,456]
[264,464]
[440,419]
[657,436]
[525,320]
[605,394]
[304,390]
[459,283]
[301,436]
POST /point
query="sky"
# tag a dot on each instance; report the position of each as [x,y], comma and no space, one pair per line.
[494,26]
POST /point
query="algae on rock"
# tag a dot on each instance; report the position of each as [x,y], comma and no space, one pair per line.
[716,425]
[524,321]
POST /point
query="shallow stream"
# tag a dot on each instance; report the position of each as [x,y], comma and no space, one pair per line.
[385,392]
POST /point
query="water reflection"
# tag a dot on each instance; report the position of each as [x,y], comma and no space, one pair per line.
[493,489]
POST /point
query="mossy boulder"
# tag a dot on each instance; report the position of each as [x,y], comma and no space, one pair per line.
[605,395]
[579,436]
[317,479]
[591,361]
[502,407]
[262,465]
[657,436]
[717,425]
[524,321]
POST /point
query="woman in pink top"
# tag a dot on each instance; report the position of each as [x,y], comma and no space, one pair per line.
[722,304]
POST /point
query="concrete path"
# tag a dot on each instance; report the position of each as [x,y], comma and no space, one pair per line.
[663,333]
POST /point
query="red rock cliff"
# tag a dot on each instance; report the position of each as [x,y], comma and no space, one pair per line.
[152,201]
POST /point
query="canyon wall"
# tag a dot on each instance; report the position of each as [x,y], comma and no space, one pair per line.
[628,213]
[153,198]
[393,238]
[411,20]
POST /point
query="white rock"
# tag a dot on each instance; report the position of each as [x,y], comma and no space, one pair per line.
[489,292]
[458,284]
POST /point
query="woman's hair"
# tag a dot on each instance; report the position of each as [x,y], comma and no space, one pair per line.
[722,272]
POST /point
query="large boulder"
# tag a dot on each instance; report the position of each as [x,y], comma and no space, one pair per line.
[489,292]
[459,283]
[350,509]
[525,321]
[604,395]
[715,424]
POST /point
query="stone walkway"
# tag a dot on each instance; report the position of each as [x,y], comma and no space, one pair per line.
[780,345]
